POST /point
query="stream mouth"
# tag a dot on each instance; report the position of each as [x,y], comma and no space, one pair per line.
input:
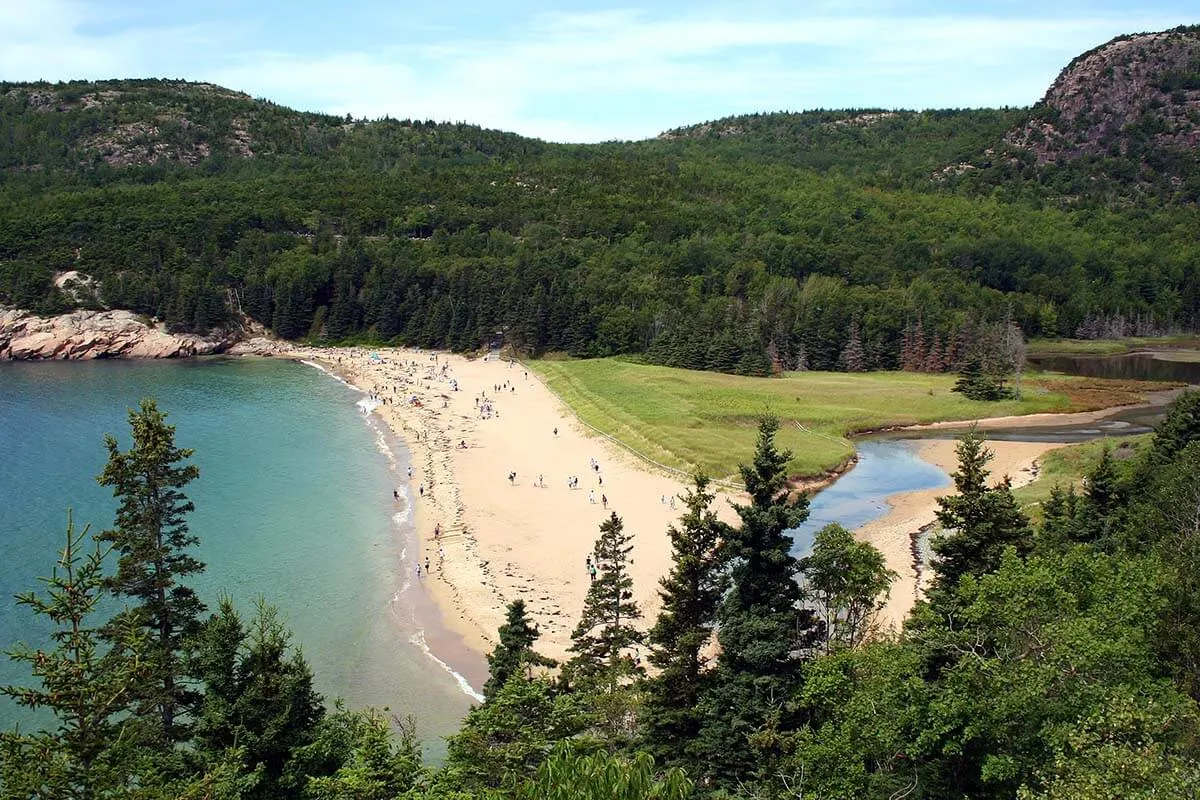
[888,463]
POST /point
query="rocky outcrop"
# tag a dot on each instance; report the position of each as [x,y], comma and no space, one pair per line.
[1133,94]
[98,334]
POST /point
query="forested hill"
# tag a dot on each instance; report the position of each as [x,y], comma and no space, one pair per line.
[850,239]
[104,128]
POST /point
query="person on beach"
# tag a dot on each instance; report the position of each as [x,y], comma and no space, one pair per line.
[592,496]
[556,433]
[604,501]
[418,569]
[426,565]
[395,494]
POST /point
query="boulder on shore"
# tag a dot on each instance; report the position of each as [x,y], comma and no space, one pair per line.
[99,334]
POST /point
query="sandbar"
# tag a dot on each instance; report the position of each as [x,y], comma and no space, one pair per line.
[910,512]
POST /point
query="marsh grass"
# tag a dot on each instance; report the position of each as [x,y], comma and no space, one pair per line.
[1109,347]
[687,419]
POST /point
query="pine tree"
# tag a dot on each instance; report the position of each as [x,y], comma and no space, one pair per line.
[261,701]
[853,357]
[514,653]
[604,638]
[507,737]
[1060,519]
[979,522]
[1102,500]
[690,595]
[1013,350]
[152,539]
[86,685]
[935,360]
[912,348]
[762,630]
[375,762]
[1179,427]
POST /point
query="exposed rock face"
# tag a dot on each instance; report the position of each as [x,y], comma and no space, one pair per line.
[97,334]
[131,123]
[1133,94]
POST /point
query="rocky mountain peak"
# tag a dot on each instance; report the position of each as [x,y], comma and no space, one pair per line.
[1127,98]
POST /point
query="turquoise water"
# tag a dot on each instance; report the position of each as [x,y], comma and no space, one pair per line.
[294,504]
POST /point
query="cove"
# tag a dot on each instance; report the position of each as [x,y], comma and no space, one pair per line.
[294,505]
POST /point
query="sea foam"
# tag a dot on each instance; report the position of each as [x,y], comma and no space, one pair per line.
[418,638]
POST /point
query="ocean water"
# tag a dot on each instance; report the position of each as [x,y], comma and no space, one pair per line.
[294,505]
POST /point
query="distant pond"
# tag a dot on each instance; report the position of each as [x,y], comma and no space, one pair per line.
[1158,365]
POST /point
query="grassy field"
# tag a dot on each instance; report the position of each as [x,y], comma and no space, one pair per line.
[686,419]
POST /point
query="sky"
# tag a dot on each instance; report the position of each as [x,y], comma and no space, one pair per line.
[573,71]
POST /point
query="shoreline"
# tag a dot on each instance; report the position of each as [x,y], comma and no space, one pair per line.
[910,512]
[470,423]
[503,539]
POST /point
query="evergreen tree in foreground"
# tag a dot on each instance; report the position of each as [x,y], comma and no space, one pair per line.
[259,699]
[514,654]
[979,521]
[762,631]
[605,636]
[85,684]
[152,539]
[604,642]
[690,595]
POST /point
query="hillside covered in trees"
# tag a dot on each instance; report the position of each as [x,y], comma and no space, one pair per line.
[855,239]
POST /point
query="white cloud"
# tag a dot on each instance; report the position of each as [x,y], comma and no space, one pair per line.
[574,76]
[70,40]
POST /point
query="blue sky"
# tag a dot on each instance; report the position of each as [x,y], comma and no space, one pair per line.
[572,71]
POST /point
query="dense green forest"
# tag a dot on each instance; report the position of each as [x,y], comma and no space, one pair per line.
[1053,661]
[773,241]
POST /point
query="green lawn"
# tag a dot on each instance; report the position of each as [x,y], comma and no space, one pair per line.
[688,419]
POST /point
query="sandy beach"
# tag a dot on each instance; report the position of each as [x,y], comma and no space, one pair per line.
[490,539]
[509,490]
